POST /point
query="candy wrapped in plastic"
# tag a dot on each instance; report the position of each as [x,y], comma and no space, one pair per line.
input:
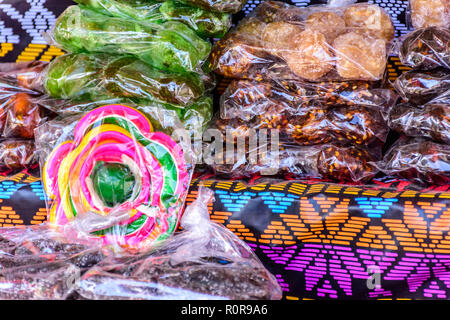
[118,176]
[420,160]
[426,49]
[204,261]
[194,117]
[39,263]
[317,43]
[205,23]
[22,77]
[327,161]
[358,125]
[96,76]
[169,46]
[16,154]
[421,87]
[246,99]
[229,6]
[430,13]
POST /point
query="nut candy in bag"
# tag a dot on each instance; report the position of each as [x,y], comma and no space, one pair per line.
[113,178]
[430,13]
[318,43]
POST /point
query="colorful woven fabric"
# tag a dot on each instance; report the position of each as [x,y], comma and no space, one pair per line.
[342,242]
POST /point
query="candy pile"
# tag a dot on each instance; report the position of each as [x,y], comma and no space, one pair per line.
[315,76]
[424,114]
[139,53]
[20,114]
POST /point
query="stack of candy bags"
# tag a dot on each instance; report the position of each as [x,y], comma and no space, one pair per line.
[116,162]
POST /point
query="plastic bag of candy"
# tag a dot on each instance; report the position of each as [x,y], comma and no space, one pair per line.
[204,261]
[418,160]
[430,13]
[22,77]
[421,87]
[205,23]
[230,6]
[118,176]
[92,77]
[326,161]
[426,49]
[430,121]
[316,43]
[17,154]
[246,99]
[169,45]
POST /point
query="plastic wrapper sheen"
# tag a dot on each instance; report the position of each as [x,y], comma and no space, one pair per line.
[419,160]
[230,6]
[41,262]
[426,49]
[430,121]
[169,46]
[205,23]
[430,13]
[279,41]
[115,175]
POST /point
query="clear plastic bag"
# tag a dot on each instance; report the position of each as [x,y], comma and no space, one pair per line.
[316,43]
[204,261]
[117,175]
[421,87]
[93,77]
[325,161]
[430,121]
[168,46]
[430,13]
[230,6]
[22,77]
[17,154]
[426,49]
[205,23]
[419,160]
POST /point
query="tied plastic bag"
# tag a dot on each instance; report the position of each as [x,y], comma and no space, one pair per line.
[316,43]
[430,13]
[418,160]
[205,23]
[421,87]
[115,175]
[430,121]
[36,263]
[204,261]
[92,77]
[426,49]
[168,46]
[326,161]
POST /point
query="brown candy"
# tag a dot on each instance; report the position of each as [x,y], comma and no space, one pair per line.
[429,13]
[309,56]
[370,19]
[16,154]
[279,36]
[326,22]
[22,117]
[360,57]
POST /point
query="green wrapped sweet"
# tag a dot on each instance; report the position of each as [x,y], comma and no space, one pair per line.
[94,76]
[170,45]
[205,23]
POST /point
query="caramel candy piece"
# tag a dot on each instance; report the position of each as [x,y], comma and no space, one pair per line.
[310,55]
[279,35]
[360,57]
[370,19]
[328,23]
[22,118]
[251,29]
[430,13]
[15,154]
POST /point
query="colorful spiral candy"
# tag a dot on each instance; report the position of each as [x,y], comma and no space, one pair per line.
[116,163]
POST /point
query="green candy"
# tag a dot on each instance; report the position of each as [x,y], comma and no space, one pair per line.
[170,45]
[94,77]
[205,23]
[113,183]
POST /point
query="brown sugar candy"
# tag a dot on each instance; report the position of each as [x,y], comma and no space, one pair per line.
[309,56]
[278,36]
[359,57]
[15,154]
[326,22]
[370,19]
[430,13]
[22,117]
